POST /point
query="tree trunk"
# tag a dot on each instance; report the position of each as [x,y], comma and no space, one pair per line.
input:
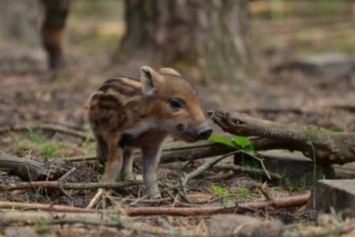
[205,40]
[19,39]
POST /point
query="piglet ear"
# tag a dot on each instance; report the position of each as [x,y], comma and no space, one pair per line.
[149,79]
[167,70]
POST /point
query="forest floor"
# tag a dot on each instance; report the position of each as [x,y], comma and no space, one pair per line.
[29,95]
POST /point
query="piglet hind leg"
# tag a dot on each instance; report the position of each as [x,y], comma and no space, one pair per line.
[101,149]
[126,173]
[115,160]
[112,168]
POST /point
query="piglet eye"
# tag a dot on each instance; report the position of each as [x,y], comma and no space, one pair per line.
[176,103]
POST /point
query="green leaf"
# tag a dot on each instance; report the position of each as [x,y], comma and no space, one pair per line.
[222,139]
[243,142]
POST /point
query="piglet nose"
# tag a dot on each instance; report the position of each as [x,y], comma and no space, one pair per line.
[204,133]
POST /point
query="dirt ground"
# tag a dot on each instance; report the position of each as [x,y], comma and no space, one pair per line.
[29,94]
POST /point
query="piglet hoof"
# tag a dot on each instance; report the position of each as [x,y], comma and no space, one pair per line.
[154,194]
[128,177]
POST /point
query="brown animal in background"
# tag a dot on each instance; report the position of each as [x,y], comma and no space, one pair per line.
[52,31]
[127,113]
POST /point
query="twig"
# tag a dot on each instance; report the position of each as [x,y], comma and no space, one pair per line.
[73,186]
[265,193]
[207,165]
[47,207]
[138,200]
[79,158]
[252,170]
[150,201]
[61,179]
[67,174]
[260,161]
[94,200]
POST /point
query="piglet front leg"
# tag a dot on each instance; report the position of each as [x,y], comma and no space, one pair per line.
[151,157]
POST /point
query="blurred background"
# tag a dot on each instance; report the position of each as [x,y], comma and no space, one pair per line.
[285,60]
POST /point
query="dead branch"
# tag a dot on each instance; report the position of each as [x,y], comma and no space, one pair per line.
[208,210]
[62,185]
[326,146]
[179,211]
[46,207]
[80,158]
[28,169]
[44,127]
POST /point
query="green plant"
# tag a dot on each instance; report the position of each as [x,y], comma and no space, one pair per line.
[49,151]
[246,147]
[6,190]
[36,138]
[223,193]
[290,185]
[237,142]
[244,191]
[303,182]
[281,174]
[42,227]
[39,193]
[219,190]
[309,142]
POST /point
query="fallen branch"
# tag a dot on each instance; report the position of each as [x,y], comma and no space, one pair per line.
[284,202]
[179,211]
[45,207]
[28,169]
[326,146]
[62,185]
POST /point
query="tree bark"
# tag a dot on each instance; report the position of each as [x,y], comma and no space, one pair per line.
[325,146]
[204,40]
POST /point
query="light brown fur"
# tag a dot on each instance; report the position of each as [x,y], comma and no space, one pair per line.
[126,113]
